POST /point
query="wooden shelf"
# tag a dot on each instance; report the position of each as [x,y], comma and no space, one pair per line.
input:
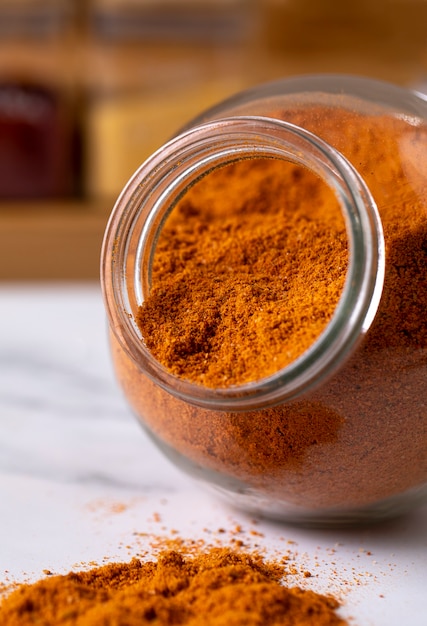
[52,240]
[130,97]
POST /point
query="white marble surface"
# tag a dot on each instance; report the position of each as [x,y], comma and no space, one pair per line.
[78,477]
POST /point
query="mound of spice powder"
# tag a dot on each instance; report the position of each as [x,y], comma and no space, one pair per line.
[217,587]
[247,273]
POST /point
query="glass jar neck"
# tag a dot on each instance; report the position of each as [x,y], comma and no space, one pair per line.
[157,186]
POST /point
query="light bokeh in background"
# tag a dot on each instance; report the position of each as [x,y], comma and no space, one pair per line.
[89,88]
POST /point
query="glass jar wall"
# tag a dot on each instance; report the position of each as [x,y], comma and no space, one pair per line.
[338,434]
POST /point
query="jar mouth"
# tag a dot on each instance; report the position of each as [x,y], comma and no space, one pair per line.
[155,188]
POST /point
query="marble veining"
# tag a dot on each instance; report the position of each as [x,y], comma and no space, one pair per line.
[80,480]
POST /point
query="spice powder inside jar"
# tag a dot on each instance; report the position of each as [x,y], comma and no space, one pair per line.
[247,273]
[243,283]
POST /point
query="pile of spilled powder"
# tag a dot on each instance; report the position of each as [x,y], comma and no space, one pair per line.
[216,586]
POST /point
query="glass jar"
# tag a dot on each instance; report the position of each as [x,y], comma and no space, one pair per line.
[339,434]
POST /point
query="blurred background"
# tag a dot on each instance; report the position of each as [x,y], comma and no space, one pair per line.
[89,88]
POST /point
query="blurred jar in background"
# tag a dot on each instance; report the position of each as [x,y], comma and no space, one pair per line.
[150,66]
[38,122]
[383,39]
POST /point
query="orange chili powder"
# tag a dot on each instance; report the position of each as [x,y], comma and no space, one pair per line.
[247,273]
[360,437]
[217,587]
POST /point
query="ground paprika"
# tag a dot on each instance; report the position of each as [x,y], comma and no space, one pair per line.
[218,586]
[246,275]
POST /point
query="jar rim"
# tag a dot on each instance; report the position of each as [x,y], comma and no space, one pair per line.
[154,189]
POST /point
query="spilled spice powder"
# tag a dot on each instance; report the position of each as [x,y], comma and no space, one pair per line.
[217,587]
[360,437]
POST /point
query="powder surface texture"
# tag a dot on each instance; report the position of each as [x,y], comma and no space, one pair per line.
[247,273]
[217,587]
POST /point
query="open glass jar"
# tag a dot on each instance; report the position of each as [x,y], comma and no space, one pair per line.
[338,432]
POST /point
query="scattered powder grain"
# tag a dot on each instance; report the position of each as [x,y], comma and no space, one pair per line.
[216,587]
